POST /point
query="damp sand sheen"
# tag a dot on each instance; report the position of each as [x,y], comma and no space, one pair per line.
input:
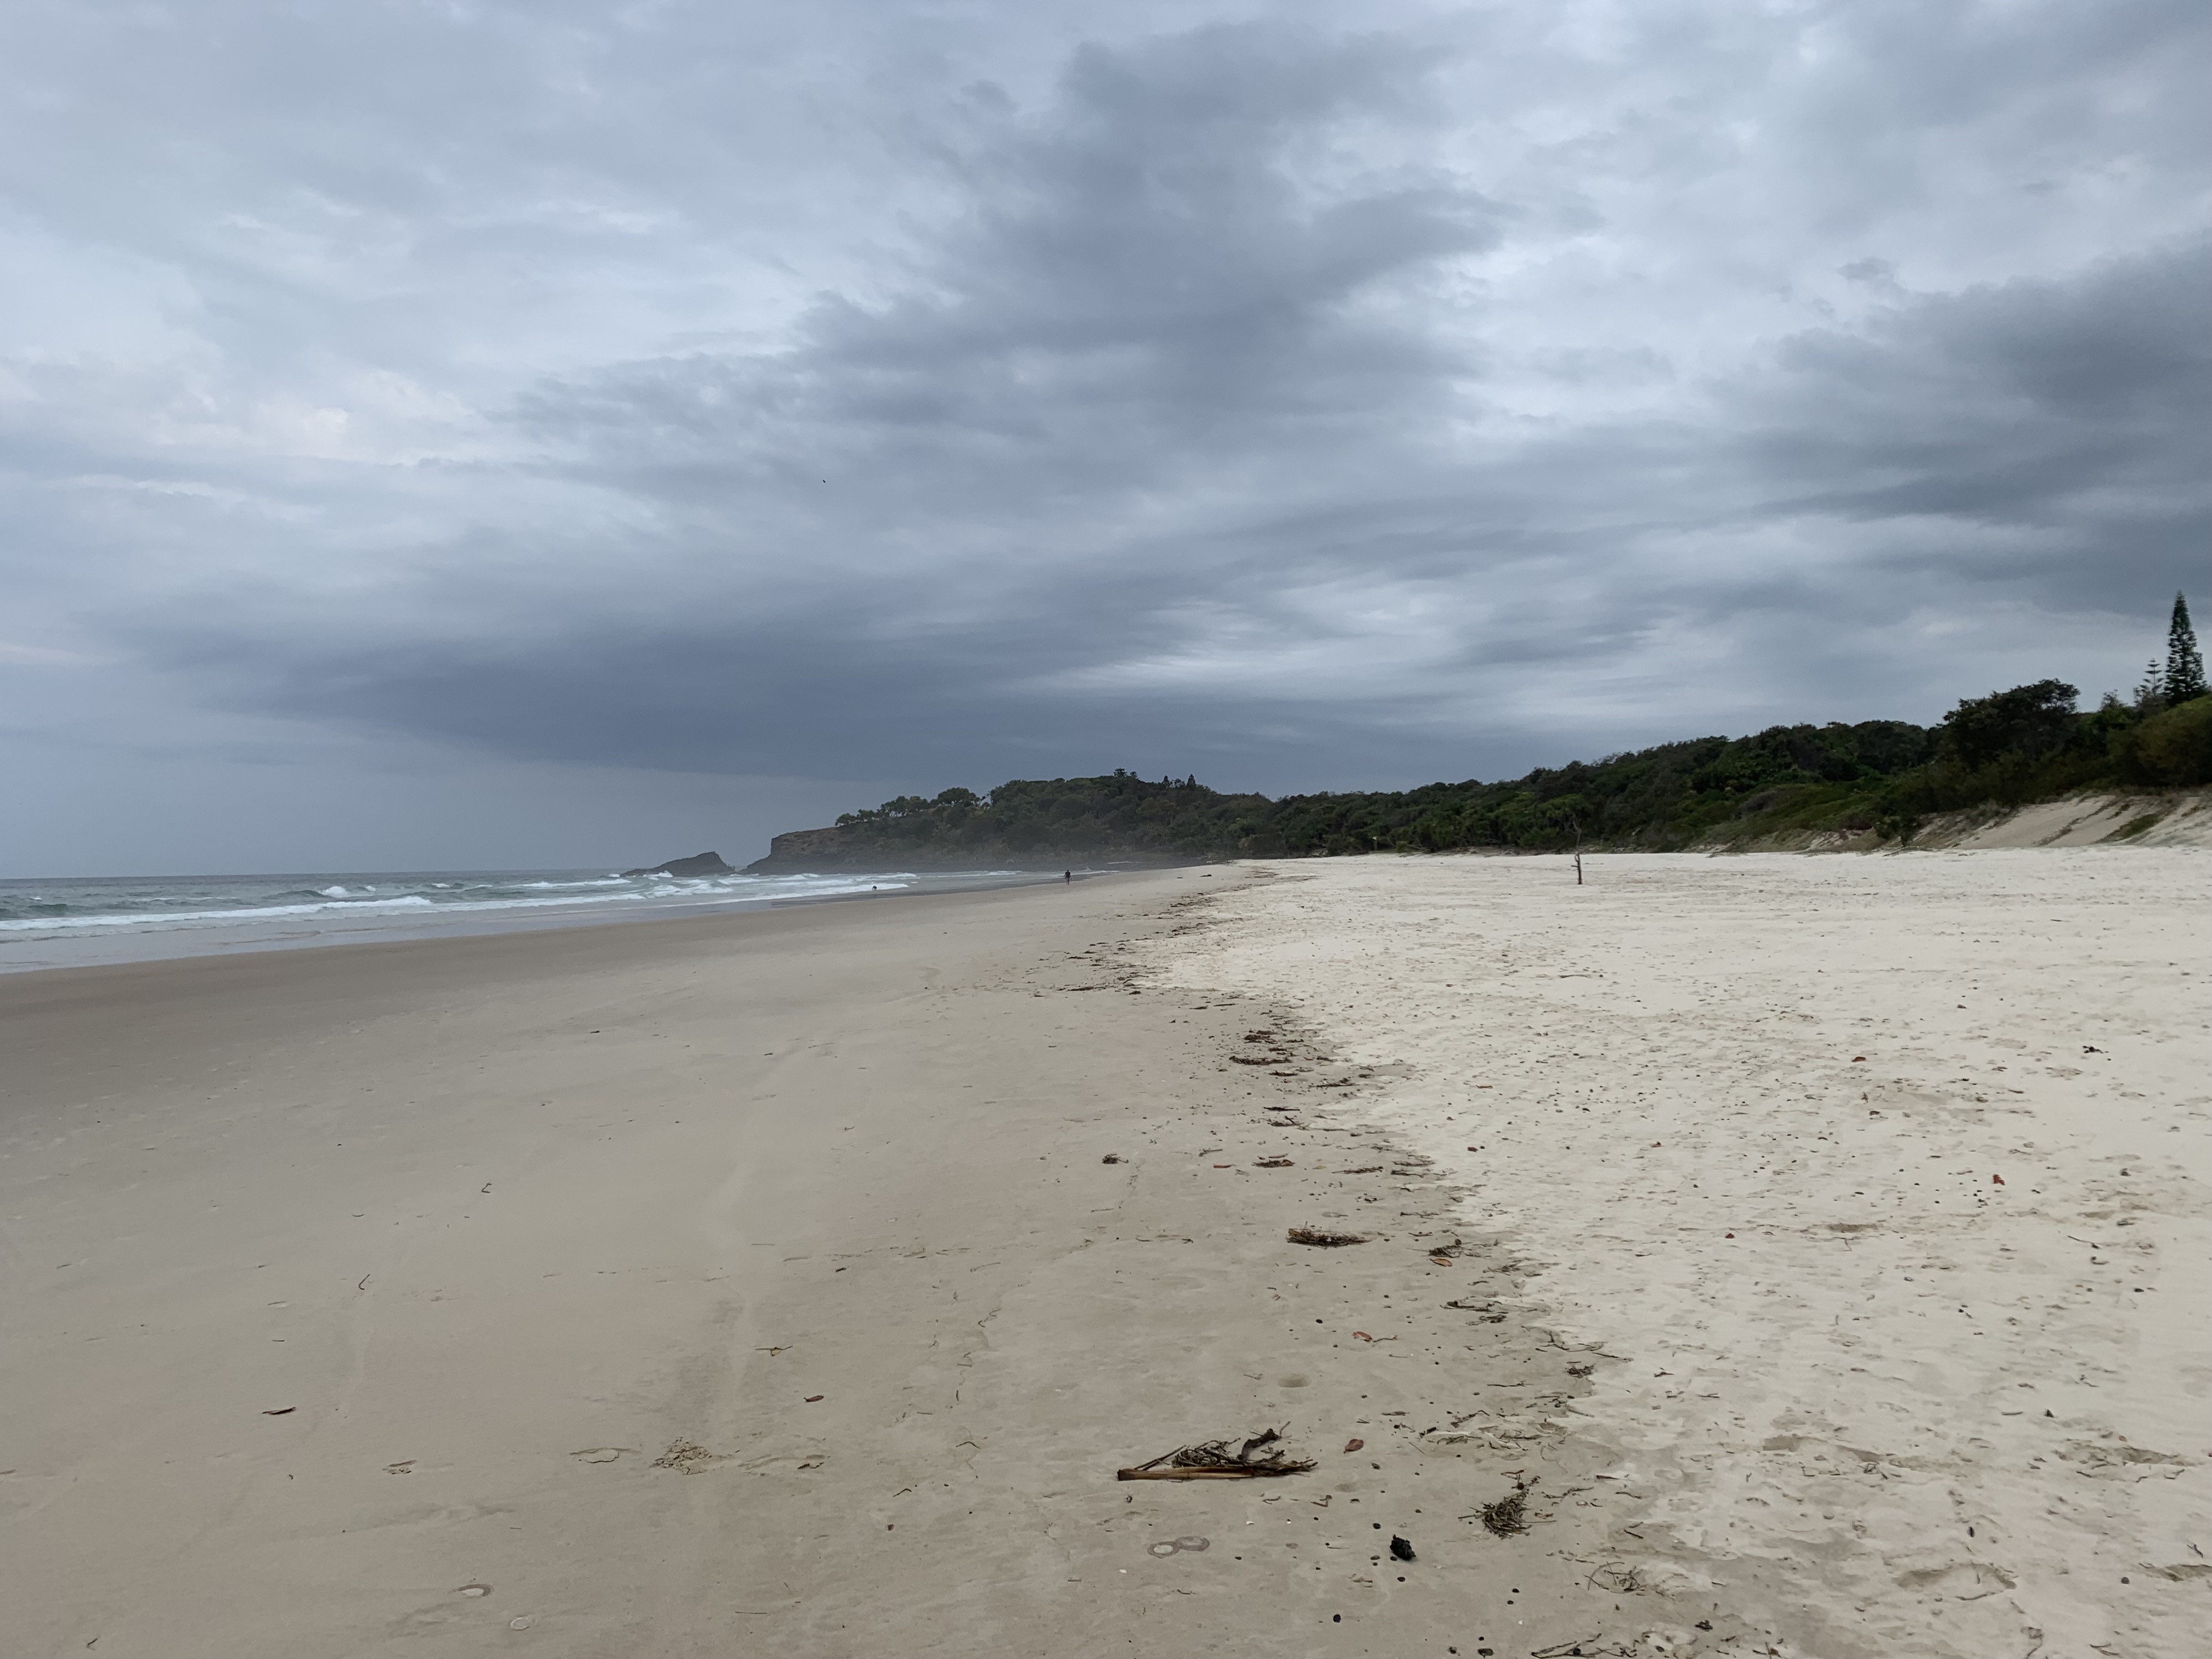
[1794,1253]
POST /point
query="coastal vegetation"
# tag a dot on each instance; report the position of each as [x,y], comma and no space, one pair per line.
[1880,778]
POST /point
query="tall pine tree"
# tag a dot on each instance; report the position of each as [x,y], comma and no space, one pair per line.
[2185,666]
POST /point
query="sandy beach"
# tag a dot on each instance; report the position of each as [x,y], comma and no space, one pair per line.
[697,1287]
[796,1283]
[1886,1181]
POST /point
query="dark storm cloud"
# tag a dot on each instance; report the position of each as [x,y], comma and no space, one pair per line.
[2058,428]
[1295,405]
[890,526]
[2080,407]
[1138,291]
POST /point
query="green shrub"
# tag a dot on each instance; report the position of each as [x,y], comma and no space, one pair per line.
[2176,747]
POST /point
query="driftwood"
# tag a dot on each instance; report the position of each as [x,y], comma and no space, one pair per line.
[1315,1236]
[1260,1455]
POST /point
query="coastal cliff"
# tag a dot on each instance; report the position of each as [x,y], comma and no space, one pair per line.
[830,848]
[1032,824]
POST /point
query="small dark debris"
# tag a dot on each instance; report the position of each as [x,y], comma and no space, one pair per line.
[281,1411]
[1353,1445]
[1273,1164]
[1402,1548]
[1705,1624]
[1260,1454]
[1508,1515]
[1315,1236]
[1111,1157]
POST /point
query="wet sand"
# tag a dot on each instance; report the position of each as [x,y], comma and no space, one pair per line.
[345,1285]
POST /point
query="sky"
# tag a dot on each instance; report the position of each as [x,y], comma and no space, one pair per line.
[493,436]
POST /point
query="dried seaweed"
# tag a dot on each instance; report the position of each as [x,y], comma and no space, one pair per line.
[1508,1514]
[1315,1236]
[1258,1455]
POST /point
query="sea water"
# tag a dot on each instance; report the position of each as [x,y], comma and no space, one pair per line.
[57,923]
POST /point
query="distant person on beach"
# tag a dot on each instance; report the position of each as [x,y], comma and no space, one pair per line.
[1068,876]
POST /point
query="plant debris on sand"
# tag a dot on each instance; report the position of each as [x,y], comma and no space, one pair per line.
[1260,1454]
[1315,1236]
[1508,1515]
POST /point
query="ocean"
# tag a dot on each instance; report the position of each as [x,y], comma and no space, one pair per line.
[81,921]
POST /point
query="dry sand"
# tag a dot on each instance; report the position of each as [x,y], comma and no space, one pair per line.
[1886,1179]
[544,1245]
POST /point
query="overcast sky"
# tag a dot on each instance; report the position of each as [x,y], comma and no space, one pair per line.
[498,434]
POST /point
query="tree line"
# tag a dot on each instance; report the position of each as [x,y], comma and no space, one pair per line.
[1879,778]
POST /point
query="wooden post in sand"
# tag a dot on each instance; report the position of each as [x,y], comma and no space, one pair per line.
[1577,823]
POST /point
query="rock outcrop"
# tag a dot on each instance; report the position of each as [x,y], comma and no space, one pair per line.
[699,864]
[814,849]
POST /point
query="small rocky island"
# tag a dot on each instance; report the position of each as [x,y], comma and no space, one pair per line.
[699,864]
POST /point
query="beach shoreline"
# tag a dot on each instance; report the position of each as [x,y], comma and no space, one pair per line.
[347,1283]
[28,945]
[797,1281]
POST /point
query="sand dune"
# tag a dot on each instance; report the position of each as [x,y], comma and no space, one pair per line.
[2166,818]
[1884,1179]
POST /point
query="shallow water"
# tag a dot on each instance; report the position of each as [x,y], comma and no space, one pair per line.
[76,921]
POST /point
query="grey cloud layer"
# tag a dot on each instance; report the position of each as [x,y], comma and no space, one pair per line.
[1295,405]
